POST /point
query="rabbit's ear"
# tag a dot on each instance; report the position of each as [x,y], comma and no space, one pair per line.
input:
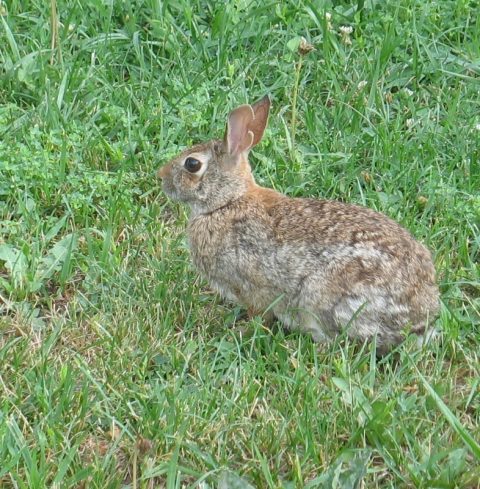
[238,136]
[257,126]
[246,125]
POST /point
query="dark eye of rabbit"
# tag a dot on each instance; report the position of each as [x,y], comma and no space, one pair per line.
[192,165]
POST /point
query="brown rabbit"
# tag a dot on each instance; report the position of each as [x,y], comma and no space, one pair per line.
[319,266]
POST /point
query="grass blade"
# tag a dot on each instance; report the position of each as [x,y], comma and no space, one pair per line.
[468,439]
[11,40]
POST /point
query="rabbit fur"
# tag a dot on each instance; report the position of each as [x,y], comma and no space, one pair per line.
[318,266]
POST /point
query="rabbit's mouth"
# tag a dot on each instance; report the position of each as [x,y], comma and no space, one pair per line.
[169,189]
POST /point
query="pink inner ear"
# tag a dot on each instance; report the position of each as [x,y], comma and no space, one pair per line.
[238,137]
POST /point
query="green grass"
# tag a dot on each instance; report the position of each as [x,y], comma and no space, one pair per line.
[118,366]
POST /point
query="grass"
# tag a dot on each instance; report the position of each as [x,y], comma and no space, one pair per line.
[118,366]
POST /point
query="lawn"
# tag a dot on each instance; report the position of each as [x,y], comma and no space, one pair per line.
[119,367]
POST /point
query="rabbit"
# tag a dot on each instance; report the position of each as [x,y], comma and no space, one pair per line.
[317,266]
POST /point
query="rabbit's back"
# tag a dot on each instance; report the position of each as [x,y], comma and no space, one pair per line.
[335,264]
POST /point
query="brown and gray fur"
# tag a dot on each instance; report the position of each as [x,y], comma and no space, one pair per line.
[319,266]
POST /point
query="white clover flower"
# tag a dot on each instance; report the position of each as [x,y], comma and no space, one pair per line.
[408,92]
[477,126]
[345,31]
[410,122]
[361,85]
[328,18]
[305,47]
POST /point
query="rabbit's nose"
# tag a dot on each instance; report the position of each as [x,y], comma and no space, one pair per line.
[162,173]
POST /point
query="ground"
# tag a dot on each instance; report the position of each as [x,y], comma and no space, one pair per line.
[118,366]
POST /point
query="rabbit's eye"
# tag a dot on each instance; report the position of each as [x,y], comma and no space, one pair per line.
[192,165]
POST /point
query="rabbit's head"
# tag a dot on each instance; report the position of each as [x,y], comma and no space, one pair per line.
[210,175]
